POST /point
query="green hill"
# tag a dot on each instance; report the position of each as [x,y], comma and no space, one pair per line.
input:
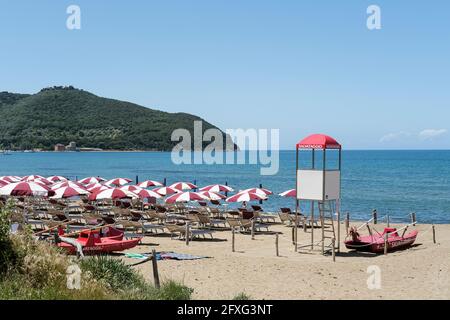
[64,114]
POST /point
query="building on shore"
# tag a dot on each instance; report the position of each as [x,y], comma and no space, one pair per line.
[60,147]
[71,147]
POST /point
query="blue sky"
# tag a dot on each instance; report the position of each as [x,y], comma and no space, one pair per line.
[298,66]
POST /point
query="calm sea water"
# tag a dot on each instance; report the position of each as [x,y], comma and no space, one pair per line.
[394,182]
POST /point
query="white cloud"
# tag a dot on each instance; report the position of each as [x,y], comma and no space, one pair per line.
[429,134]
[394,136]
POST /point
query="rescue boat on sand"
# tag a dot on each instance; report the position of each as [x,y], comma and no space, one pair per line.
[376,242]
[100,242]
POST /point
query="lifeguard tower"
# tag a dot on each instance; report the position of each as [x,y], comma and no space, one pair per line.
[318,186]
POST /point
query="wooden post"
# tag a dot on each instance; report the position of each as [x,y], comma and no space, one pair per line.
[293,235]
[388,222]
[253,229]
[434,233]
[155,269]
[296,232]
[232,239]
[375,216]
[333,249]
[260,186]
[413,218]
[347,222]
[276,245]
[386,243]
[187,233]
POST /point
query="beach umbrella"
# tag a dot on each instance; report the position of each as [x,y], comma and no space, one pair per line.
[133,189]
[55,179]
[217,188]
[183,186]
[146,194]
[25,189]
[113,194]
[98,189]
[260,191]
[43,181]
[91,180]
[165,191]
[11,178]
[71,184]
[245,197]
[3,183]
[211,195]
[289,193]
[185,197]
[31,178]
[117,182]
[150,183]
[68,192]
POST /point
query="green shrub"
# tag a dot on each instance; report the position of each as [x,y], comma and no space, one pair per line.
[172,290]
[242,296]
[113,272]
[8,257]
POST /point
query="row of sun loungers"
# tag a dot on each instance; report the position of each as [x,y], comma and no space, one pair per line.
[203,221]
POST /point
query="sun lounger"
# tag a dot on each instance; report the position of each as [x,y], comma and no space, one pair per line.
[244,225]
[261,216]
[175,230]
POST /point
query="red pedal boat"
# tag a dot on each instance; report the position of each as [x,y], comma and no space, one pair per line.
[94,242]
[375,243]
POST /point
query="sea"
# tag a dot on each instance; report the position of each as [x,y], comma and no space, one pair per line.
[395,183]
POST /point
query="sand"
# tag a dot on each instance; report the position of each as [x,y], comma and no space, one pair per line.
[420,272]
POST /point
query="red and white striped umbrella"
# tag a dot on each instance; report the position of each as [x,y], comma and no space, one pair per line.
[117,182]
[98,189]
[90,180]
[260,191]
[185,197]
[31,178]
[217,188]
[150,183]
[183,186]
[289,193]
[134,189]
[42,181]
[56,179]
[25,189]
[113,194]
[71,184]
[68,192]
[11,178]
[165,191]
[146,194]
[246,196]
[3,183]
[211,195]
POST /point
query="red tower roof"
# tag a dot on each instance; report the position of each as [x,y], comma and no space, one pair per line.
[318,141]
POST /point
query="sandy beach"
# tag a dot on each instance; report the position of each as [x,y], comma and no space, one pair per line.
[420,272]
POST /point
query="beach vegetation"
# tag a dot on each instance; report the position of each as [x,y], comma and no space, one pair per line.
[242,296]
[34,270]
